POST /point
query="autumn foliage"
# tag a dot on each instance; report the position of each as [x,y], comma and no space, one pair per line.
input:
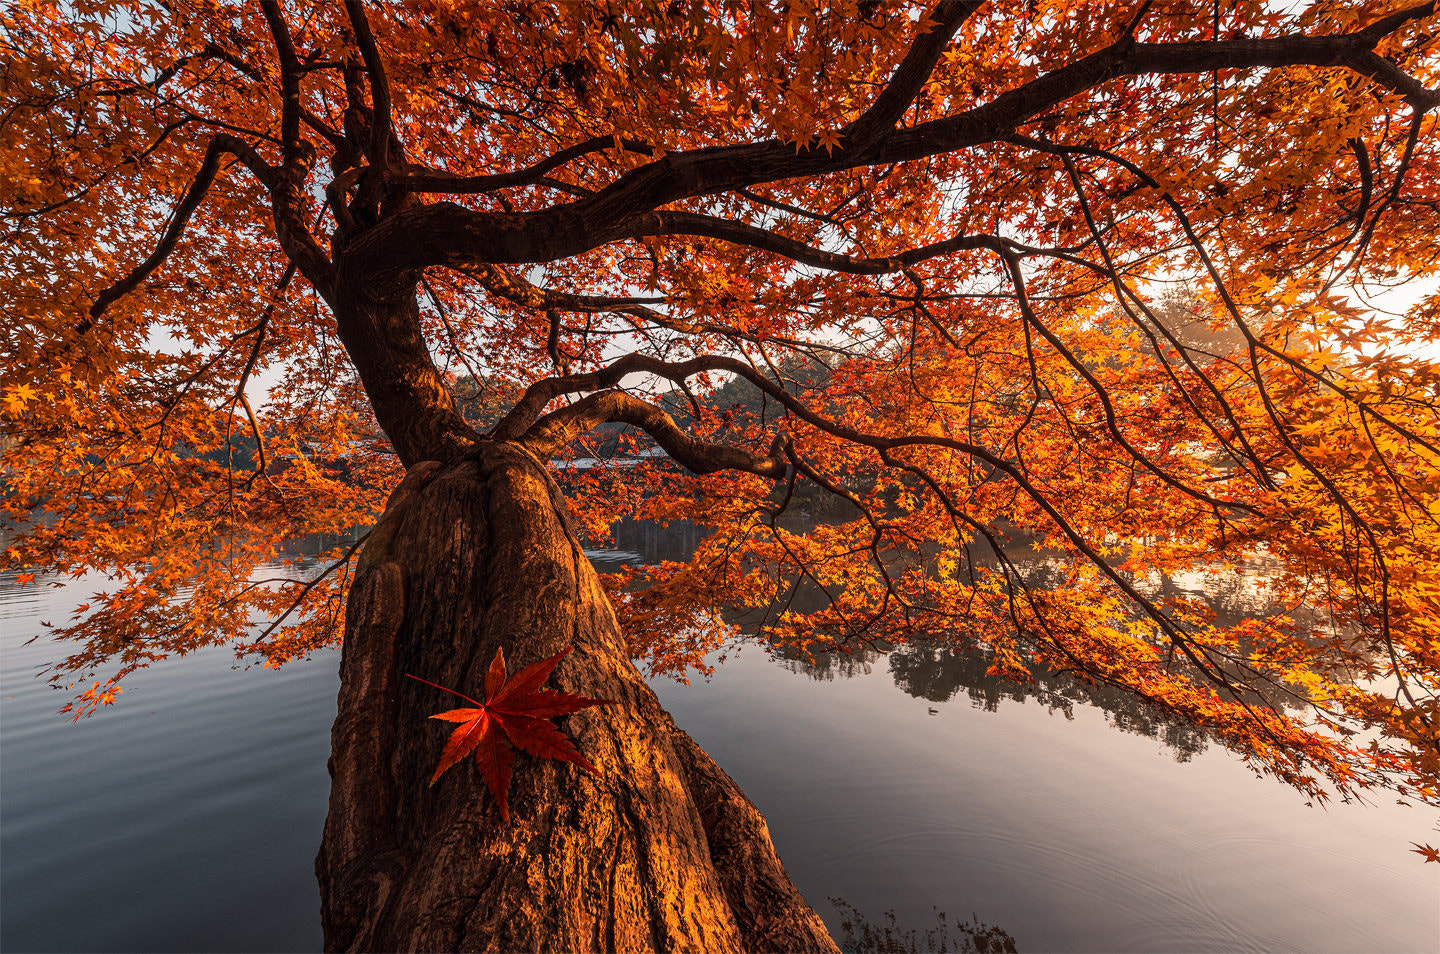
[1059,302]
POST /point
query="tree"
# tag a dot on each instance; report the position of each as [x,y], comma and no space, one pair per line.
[969,214]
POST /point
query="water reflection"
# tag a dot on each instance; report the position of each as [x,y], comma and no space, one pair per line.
[1073,837]
[861,936]
[646,542]
[939,672]
[941,668]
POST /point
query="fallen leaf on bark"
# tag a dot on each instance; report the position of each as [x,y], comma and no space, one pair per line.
[514,715]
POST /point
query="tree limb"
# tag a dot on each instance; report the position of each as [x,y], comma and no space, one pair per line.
[523,415]
[379,86]
[451,235]
[219,146]
[739,233]
[559,428]
[420,179]
[910,76]
[289,79]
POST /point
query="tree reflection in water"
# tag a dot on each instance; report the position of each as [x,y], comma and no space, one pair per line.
[939,671]
[941,668]
[860,936]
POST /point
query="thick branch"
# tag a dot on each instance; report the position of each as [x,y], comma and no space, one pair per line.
[379,86]
[412,402]
[559,428]
[738,233]
[910,76]
[450,235]
[528,408]
[287,189]
[289,78]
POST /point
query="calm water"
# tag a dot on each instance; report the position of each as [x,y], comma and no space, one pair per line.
[186,817]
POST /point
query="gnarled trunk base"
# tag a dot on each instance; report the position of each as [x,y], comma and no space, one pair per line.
[661,852]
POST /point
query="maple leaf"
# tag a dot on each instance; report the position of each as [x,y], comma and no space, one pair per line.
[1426,852]
[18,397]
[514,715]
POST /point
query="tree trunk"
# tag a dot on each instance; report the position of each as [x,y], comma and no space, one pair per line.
[661,852]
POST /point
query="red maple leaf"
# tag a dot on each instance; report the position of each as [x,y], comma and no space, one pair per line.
[514,715]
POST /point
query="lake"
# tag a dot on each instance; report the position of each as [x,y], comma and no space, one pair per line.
[187,816]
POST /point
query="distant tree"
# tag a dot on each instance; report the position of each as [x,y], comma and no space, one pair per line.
[968,212]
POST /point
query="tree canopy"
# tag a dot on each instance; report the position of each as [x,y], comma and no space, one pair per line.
[1072,290]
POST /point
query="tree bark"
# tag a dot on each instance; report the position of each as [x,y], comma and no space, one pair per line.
[381,330]
[661,852]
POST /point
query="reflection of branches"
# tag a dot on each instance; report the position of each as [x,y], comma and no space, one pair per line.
[888,937]
[938,670]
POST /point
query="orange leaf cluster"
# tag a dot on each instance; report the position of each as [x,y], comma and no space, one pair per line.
[1037,327]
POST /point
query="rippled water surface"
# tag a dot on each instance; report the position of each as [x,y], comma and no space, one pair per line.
[186,817]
